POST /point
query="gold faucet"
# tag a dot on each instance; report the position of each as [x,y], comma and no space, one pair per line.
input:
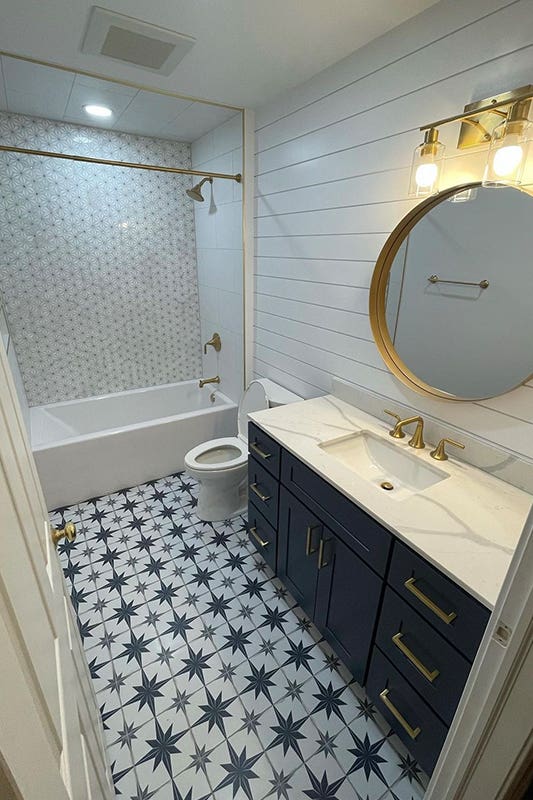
[203,381]
[440,454]
[215,341]
[417,440]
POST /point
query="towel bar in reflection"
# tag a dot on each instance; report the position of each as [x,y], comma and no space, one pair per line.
[482,284]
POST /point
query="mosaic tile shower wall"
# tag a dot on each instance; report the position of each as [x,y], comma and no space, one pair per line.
[97,263]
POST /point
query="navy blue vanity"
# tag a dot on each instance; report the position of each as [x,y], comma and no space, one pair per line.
[406,632]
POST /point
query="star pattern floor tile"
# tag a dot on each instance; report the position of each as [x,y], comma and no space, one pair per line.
[212,684]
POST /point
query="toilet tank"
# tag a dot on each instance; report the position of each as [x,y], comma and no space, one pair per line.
[277,395]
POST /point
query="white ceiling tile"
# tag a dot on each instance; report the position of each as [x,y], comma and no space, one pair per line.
[153,110]
[99,83]
[24,76]
[83,95]
[55,94]
[196,120]
[46,103]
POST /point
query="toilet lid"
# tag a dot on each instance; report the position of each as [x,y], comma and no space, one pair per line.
[253,399]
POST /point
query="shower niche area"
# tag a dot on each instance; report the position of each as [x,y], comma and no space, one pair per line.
[114,274]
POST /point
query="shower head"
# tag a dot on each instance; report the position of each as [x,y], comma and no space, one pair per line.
[196,192]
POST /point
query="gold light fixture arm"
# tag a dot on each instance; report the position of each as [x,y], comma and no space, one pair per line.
[466,116]
[111,163]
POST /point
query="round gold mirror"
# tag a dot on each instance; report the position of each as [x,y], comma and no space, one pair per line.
[451,298]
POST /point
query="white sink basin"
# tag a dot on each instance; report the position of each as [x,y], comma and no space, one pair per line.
[385,464]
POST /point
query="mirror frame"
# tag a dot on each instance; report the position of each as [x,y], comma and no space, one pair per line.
[378,291]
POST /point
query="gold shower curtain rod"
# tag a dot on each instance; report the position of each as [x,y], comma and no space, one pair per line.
[131,164]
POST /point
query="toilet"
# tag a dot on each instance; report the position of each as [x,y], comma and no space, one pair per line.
[220,465]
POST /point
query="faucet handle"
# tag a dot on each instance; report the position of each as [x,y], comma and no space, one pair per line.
[440,454]
[396,433]
[392,414]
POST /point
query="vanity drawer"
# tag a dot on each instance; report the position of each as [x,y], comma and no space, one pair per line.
[264,449]
[360,532]
[455,614]
[431,665]
[413,720]
[263,491]
[262,535]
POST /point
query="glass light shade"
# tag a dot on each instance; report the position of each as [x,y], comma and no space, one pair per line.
[426,166]
[508,152]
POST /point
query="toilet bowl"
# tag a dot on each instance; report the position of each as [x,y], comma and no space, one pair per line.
[220,465]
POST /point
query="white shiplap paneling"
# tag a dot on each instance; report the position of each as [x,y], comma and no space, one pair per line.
[332,172]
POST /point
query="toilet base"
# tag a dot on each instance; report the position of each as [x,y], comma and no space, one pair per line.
[221,497]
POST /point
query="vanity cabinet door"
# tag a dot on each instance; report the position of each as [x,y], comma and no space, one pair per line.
[299,536]
[348,597]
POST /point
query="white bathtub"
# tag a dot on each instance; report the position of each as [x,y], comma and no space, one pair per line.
[86,448]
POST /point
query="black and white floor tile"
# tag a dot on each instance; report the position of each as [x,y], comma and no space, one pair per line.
[211,683]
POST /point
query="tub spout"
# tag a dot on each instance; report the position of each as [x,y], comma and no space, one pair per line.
[203,381]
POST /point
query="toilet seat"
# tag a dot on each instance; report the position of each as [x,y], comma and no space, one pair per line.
[218,454]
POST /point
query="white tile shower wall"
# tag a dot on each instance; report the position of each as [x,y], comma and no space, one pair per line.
[219,253]
[332,170]
[97,263]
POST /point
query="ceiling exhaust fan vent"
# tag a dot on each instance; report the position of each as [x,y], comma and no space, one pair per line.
[135,42]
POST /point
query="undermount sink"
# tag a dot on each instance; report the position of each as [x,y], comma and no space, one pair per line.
[384,464]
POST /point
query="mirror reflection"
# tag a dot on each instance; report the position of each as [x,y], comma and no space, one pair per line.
[459,307]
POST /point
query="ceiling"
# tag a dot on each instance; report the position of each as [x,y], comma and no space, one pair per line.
[247,51]
[39,91]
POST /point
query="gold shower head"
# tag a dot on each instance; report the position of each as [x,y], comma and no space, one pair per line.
[196,192]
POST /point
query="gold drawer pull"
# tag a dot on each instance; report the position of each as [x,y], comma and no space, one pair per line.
[412,732]
[442,615]
[309,549]
[427,673]
[261,542]
[257,449]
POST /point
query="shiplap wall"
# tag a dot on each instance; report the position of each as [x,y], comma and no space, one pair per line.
[332,166]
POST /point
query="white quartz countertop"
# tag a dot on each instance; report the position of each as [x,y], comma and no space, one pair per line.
[468,525]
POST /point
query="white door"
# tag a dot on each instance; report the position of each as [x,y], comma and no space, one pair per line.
[51,739]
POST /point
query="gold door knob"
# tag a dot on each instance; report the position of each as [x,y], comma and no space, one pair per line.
[68,533]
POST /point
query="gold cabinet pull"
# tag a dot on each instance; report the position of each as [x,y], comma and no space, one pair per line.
[321,562]
[259,493]
[428,602]
[257,449]
[309,549]
[68,533]
[260,542]
[430,674]
[411,732]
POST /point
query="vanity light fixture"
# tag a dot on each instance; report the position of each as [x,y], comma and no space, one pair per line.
[426,165]
[97,111]
[504,122]
[509,147]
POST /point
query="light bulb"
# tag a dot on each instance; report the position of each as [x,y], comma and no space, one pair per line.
[425,167]
[506,160]
[426,175]
[97,111]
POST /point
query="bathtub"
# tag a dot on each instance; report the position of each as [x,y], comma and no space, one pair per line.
[87,448]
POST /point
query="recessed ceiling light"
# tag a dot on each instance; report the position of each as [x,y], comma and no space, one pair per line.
[98,111]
